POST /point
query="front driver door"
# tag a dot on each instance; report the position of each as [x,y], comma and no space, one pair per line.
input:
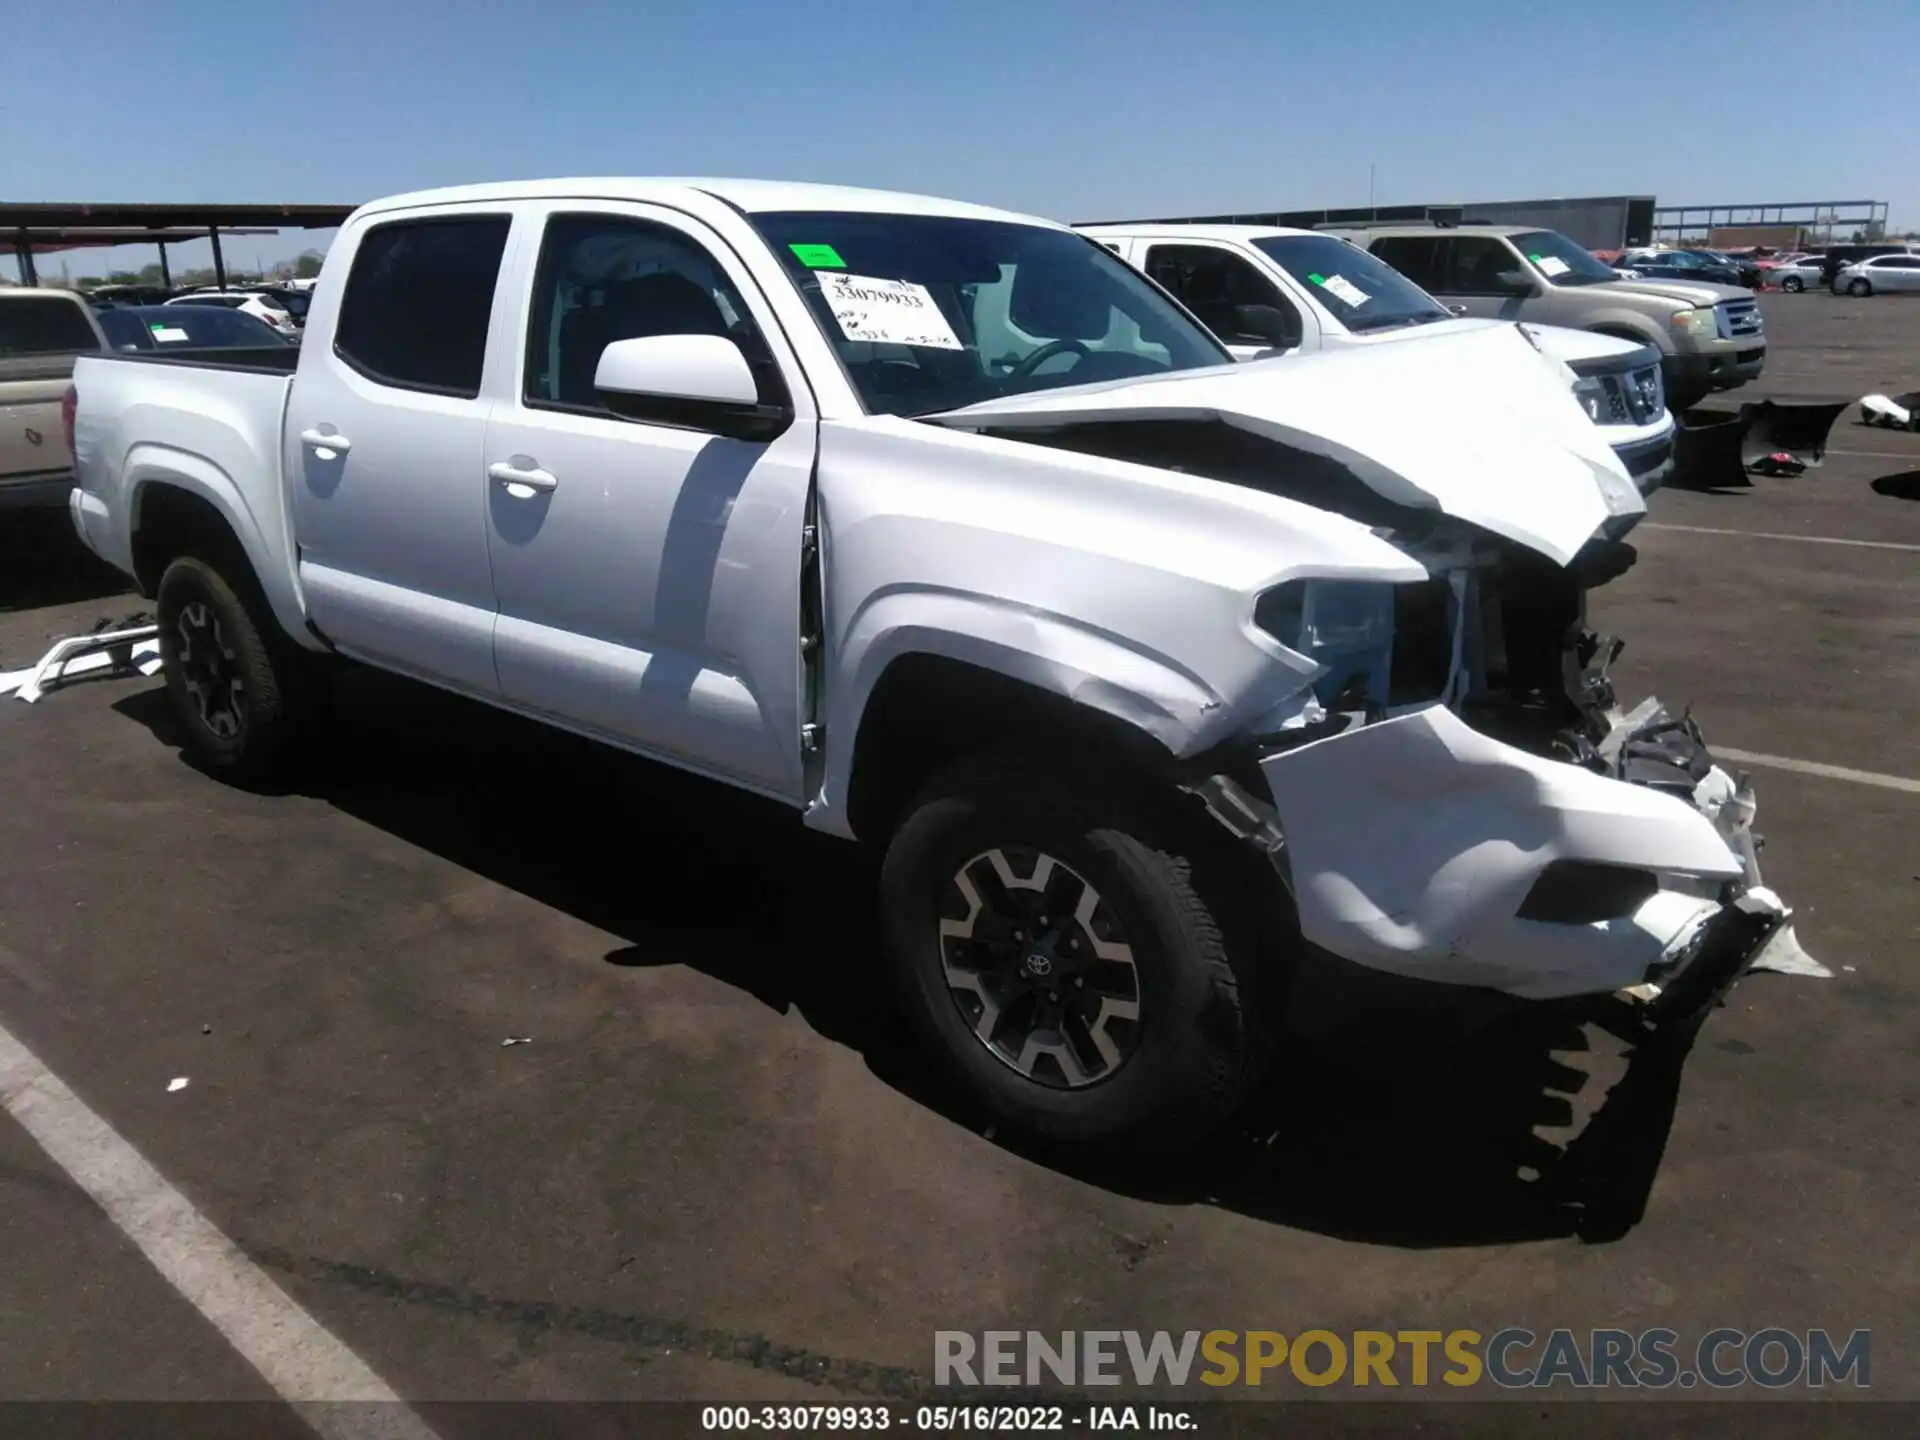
[647,576]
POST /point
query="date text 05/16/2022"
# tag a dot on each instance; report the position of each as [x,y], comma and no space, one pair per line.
[943,1419]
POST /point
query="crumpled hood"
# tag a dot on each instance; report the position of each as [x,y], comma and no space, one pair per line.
[1479,426]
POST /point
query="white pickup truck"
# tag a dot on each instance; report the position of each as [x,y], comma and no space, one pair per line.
[1268,290]
[1156,675]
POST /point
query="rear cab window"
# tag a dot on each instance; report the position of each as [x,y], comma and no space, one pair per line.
[418,302]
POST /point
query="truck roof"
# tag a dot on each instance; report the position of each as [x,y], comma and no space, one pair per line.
[748,195]
[1225,233]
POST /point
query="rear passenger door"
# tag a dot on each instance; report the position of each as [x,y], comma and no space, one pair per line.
[383,442]
[647,575]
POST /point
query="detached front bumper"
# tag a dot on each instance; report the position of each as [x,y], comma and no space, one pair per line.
[1420,847]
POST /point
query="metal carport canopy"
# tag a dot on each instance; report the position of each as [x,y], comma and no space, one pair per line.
[20,221]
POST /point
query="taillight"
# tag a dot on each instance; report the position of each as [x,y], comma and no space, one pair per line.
[69,402]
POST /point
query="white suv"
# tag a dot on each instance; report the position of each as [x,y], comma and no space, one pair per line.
[262,307]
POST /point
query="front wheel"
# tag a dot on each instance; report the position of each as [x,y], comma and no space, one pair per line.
[1071,959]
[1859,288]
[228,681]
[1793,284]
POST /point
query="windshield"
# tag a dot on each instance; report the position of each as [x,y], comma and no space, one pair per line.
[933,312]
[1562,261]
[1362,293]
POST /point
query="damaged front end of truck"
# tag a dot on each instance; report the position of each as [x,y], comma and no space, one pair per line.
[1461,797]
[1455,793]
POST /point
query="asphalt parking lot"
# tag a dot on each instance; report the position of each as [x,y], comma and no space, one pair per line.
[712,1157]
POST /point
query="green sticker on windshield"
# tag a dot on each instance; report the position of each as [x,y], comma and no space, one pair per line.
[1316,279]
[819,257]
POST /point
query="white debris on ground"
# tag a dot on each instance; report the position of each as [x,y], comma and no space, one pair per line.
[136,647]
[1883,410]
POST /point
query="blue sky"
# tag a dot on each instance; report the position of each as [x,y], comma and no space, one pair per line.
[1069,109]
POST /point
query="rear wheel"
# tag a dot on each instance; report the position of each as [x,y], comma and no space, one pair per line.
[1859,288]
[1793,284]
[230,676]
[1072,961]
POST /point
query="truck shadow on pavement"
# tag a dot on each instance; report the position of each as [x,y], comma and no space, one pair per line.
[1398,1128]
[43,563]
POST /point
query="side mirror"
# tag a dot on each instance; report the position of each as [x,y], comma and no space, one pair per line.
[1456,309]
[696,382]
[1515,282]
[1268,323]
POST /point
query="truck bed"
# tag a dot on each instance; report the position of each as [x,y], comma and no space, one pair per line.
[208,422]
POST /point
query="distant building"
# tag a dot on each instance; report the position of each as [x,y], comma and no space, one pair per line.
[1605,222]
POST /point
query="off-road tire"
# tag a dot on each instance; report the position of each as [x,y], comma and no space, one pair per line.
[257,721]
[1209,999]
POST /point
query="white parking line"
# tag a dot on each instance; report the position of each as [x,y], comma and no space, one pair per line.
[1913,455]
[1815,767]
[1770,535]
[311,1370]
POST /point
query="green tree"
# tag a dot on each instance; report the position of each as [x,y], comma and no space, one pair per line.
[306,265]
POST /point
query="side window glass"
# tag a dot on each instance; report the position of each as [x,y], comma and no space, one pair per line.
[1476,260]
[1415,256]
[603,278]
[418,300]
[1212,282]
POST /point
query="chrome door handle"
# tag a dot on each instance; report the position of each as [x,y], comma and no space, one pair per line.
[326,440]
[529,477]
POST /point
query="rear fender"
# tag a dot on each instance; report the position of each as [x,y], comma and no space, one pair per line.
[149,466]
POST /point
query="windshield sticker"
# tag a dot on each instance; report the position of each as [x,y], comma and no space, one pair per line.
[818,257]
[1342,288]
[886,312]
[168,334]
[1552,266]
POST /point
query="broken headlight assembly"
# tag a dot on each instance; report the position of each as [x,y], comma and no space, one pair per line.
[1376,645]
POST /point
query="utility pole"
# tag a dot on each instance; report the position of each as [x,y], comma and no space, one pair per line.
[1373,210]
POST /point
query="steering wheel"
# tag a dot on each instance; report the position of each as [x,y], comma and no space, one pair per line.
[1045,353]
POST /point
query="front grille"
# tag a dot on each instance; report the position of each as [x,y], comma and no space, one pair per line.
[1747,357]
[1742,318]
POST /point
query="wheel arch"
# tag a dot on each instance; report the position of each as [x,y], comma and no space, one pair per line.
[926,710]
[180,504]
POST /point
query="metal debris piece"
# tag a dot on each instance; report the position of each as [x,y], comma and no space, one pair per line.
[179,1082]
[516,1040]
[128,648]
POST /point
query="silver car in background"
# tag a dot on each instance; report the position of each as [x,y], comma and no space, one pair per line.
[1880,274]
[1796,274]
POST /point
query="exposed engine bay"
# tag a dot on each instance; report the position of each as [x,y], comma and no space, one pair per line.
[1459,795]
